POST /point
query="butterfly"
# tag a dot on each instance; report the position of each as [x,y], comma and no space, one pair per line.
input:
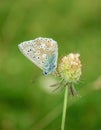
[43,52]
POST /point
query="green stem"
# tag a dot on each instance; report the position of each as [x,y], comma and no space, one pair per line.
[64,108]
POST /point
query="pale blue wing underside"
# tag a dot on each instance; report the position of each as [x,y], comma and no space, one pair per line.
[43,52]
[50,64]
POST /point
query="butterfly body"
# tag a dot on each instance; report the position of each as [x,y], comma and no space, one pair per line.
[43,52]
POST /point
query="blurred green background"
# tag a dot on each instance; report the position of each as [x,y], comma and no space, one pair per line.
[76,26]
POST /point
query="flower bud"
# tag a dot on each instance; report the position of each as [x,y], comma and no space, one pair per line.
[69,68]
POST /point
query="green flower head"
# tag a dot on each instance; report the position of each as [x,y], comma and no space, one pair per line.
[69,68]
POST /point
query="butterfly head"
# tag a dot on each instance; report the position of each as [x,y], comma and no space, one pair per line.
[49,70]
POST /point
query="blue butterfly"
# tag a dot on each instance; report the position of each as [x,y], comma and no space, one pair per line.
[43,52]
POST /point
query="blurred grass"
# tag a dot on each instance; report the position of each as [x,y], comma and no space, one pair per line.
[76,25]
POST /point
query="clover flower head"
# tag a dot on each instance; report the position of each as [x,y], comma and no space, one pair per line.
[69,68]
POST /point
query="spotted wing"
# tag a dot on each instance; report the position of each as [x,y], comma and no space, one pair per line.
[39,50]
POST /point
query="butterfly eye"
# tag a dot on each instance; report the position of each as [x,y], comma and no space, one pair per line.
[45,73]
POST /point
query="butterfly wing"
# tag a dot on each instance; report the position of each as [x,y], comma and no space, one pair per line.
[28,48]
[51,57]
[40,51]
[50,64]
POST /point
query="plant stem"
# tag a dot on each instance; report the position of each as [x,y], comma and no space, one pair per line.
[64,108]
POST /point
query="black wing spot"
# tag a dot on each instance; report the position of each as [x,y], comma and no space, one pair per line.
[29,50]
